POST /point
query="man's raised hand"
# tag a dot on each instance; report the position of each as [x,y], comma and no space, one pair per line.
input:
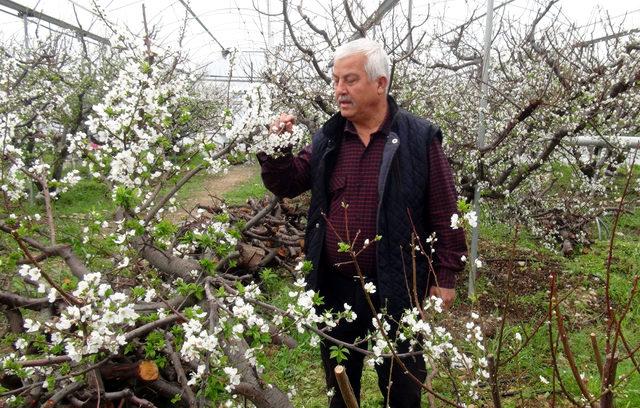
[284,123]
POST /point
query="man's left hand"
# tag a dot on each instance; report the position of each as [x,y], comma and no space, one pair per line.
[447,295]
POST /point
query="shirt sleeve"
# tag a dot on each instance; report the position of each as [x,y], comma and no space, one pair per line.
[288,175]
[450,244]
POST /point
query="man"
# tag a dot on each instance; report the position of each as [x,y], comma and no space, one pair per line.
[373,169]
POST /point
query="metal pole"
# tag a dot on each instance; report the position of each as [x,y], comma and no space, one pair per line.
[284,24]
[22,10]
[409,17]
[623,141]
[484,88]
[269,24]
[25,20]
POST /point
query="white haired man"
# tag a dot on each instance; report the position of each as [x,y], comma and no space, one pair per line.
[388,167]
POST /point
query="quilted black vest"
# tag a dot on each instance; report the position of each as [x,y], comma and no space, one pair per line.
[402,187]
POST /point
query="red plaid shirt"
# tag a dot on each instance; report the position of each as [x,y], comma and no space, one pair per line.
[353,197]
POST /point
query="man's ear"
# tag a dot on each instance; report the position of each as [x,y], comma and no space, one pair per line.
[382,85]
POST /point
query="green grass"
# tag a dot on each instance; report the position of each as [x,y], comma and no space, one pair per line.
[86,196]
[251,188]
[584,272]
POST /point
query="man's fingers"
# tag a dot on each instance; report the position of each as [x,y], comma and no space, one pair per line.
[284,123]
[286,117]
[447,295]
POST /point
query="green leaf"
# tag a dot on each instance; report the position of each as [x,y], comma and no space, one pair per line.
[268,276]
[138,291]
[338,353]
[145,67]
[155,342]
[51,382]
[463,206]
[208,266]
[344,247]
[161,361]
[317,299]
[165,228]
[307,266]
[65,368]
[125,197]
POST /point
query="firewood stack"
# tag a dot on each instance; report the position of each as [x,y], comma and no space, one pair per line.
[272,232]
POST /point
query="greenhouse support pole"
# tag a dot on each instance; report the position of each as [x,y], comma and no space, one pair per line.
[484,89]
[269,24]
[25,21]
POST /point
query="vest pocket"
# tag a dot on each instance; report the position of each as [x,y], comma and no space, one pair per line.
[337,187]
[337,184]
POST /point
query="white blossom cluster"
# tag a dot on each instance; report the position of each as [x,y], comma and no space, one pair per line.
[254,118]
[98,322]
[207,234]
[134,124]
[238,317]
[470,218]
[381,345]
[29,100]
[439,346]
[303,311]
[198,340]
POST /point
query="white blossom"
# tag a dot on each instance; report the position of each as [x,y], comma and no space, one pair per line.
[471,218]
[455,221]
[370,288]
[234,378]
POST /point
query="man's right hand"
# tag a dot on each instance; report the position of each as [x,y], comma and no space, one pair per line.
[284,123]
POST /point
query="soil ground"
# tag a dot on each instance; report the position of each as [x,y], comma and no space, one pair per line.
[215,187]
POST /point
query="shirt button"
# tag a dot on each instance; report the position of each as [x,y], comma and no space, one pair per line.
[394,140]
[317,225]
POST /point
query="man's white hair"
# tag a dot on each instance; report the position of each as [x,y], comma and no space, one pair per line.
[377,64]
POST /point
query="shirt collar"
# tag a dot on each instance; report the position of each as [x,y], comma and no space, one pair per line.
[384,129]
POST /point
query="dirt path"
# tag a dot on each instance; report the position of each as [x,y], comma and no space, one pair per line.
[217,186]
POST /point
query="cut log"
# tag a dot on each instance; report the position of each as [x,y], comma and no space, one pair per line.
[260,230]
[145,370]
[250,256]
[148,370]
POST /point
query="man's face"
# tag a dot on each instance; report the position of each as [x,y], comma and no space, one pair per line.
[357,95]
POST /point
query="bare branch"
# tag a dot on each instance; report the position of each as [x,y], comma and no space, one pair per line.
[377,16]
[300,47]
[177,365]
[360,32]
[315,28]
[62,394]
[14,300]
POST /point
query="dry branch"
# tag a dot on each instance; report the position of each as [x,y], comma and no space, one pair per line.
[177,366]
[345,387]
[63,393]
[14,300]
